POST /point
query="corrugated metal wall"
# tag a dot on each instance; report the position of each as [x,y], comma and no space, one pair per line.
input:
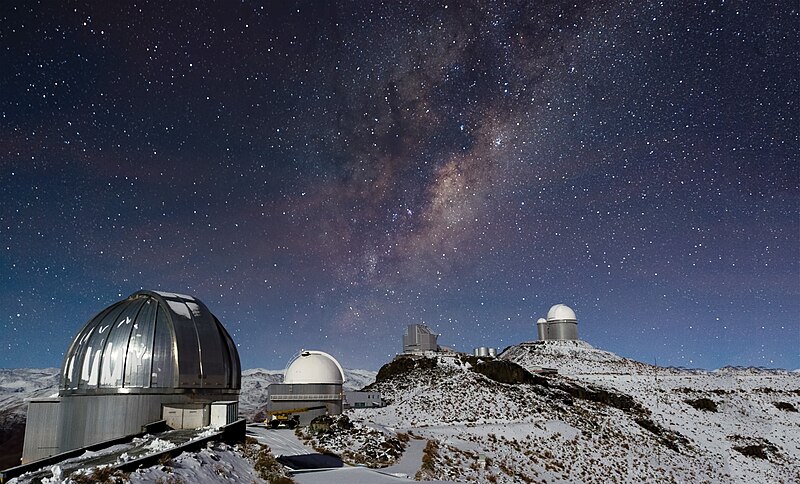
[89,419]
[41,430]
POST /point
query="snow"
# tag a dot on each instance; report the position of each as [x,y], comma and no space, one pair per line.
[180,308]
[19,384]
[174,295]
[410,462]
[602,418]
[195,309]
[354,475]
[216,463]
[533,432]
[281,441]
[158,445]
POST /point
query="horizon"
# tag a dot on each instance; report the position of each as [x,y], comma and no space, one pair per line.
[500,350]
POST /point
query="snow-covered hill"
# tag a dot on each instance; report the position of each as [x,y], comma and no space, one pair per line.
[15,386]
[606,419]
[744,418]
[575,357]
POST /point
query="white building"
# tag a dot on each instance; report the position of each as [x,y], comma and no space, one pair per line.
[312,386]
[561,324]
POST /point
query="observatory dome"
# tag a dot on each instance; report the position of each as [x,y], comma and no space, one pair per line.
[314,367]
[151,342]
[561,312]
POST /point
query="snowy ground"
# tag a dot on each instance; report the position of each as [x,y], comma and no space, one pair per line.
[604,418]
[117,454]
[284,442]
[622,421]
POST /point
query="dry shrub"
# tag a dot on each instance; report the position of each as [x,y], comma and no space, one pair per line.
[103,475]
[705,404]
[785,406]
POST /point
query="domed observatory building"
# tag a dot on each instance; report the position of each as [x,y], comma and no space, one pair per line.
[561,324]
[312,386]
[151,356]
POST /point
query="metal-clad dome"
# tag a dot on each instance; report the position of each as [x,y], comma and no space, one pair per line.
[561,312]
[314,367]
[151,341]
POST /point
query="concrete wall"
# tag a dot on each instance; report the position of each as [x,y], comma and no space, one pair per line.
[41,430]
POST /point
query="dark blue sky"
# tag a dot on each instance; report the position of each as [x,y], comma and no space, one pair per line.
[322,175]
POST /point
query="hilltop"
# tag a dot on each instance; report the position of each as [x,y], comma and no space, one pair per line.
[605,419]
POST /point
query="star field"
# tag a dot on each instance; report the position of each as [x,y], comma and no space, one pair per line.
[322,174]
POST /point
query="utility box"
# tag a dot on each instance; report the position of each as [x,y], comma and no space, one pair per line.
[186,416]
[223,413]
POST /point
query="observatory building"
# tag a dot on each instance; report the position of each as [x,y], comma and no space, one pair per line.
[419,338]
[312,386]
[152,356]
[561,324]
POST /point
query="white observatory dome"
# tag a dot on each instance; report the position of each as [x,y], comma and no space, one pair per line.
[561,312]
[314,367]
[541,321]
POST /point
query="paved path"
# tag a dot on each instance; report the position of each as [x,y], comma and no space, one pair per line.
[281,441]
[284,442]
[410,461]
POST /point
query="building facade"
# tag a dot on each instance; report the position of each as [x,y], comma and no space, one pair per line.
[312,386]
[419,338]
[561,324]
[361,399]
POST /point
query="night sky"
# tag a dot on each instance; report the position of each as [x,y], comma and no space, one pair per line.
[321,174]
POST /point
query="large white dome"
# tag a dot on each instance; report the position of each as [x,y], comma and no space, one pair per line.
[314,367]
[561,312]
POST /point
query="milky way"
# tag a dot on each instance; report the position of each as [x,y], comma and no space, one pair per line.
[323,174]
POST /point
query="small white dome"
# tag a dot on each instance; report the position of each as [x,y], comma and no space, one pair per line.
[561,312]
[314,367]
[541,321]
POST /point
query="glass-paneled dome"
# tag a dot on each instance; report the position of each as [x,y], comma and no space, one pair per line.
[151,341]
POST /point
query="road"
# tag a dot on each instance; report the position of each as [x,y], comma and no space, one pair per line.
[284,443]
[281,441]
